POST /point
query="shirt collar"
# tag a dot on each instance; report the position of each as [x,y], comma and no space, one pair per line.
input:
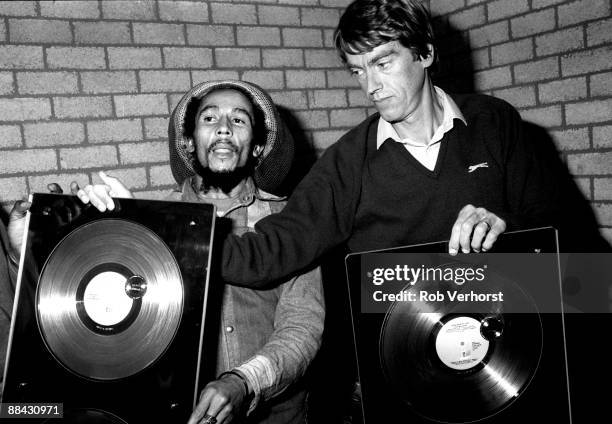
[249,192]
[450,112]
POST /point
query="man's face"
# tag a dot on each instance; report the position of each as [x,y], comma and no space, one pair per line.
[223,134]
[391,78]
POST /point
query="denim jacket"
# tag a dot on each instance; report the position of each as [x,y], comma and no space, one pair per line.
[270,335]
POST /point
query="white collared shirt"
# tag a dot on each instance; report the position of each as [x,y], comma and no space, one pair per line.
[427,155]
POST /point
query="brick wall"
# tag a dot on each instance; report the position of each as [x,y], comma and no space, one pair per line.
[88,85]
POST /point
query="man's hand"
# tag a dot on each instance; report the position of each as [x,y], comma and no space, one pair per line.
[101,195]
[475,229]
[16,226]
[222,399]
[69,211]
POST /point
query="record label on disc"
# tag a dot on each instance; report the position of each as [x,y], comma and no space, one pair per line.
[105,299]
[460,345]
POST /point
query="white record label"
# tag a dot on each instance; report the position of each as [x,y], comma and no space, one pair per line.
[460,345]
[105,299]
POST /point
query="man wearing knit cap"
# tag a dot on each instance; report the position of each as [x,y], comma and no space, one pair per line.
[229,147]
[232,136]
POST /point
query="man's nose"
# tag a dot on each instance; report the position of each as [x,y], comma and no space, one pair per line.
[224,127]
[373,83]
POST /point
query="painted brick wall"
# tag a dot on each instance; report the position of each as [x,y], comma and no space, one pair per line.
[88,85]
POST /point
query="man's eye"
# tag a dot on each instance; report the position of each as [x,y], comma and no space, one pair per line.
[238,121]
[356,72]
[383,65]
[208,118]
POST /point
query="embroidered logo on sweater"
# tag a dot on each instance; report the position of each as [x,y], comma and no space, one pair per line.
[473,168]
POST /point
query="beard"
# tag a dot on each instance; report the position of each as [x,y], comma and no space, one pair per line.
[224,180]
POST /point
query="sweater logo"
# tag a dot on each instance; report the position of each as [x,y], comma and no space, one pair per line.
[473,168]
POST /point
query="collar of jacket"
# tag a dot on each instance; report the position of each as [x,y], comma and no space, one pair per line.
[246,197]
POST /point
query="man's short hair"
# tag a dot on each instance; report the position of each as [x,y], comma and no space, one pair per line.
[366,24]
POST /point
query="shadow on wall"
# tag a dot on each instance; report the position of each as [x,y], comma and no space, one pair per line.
[305,155]
[579,231]
[455,74]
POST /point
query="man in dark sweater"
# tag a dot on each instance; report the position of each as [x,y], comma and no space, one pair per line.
[427,167]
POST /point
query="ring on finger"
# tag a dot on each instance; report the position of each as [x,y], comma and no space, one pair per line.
[482,221]
[208,419]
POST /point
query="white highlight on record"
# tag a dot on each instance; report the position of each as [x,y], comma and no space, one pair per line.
[54,306]
[503,383]
[434,317]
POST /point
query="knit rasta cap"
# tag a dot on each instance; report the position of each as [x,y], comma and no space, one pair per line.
[273,164]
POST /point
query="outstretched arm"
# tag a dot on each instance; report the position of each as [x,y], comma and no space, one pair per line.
[318,216]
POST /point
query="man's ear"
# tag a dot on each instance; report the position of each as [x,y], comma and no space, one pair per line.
[429,59]
[189,146]
[257,150]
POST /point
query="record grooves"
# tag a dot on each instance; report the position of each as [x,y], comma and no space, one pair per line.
[113,250]
[433,354]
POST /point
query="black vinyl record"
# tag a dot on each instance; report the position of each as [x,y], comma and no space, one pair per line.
[457,367]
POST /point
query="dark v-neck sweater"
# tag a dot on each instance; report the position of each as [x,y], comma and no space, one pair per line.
[374,198]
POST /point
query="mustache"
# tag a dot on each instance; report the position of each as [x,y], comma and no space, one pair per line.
[225,143]
[378,98]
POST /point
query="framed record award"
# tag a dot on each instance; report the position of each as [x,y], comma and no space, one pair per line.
[461,339]
[110,309]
